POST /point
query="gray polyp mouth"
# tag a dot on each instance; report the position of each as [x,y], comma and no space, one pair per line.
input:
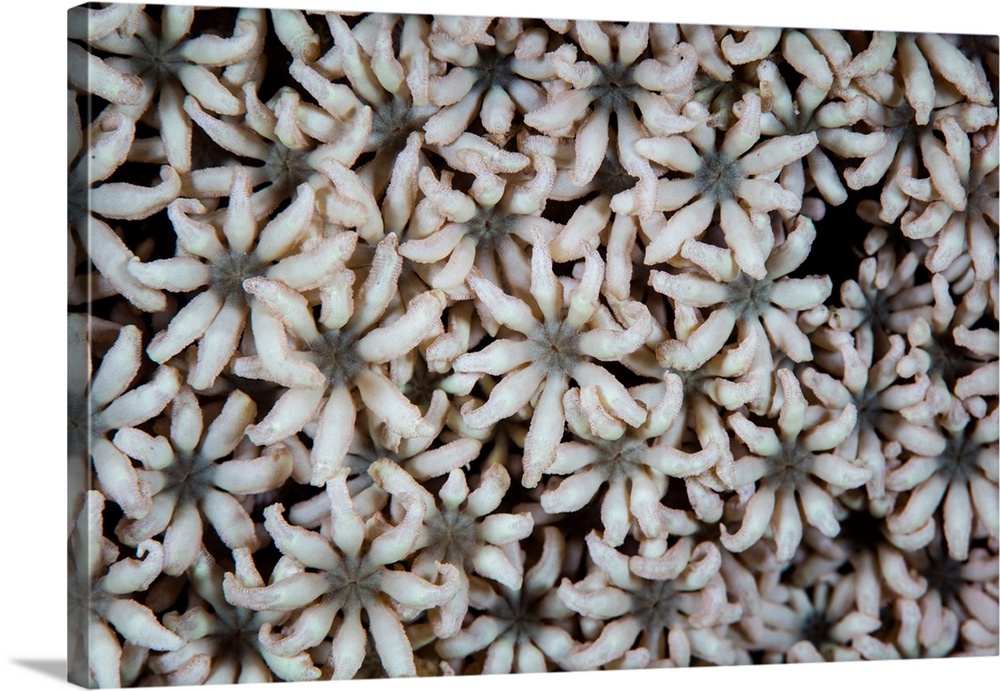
[338,357]
[287,168]
[876,312]
[869,409]
[789,467]
[555,347]
[903,124]
[614,87]
[240,640]
[692,381]
[357,582]
[488,226]
[944,575]
[190,476]
[78,202]
[87,600]
[238,632]
[452,535]
[621,457]
[982,192]
[493,69]
[519,611]
[815,628]
[654,604]
[359,464]
[719,97]
[228,274]
[719,176]
[958,461]
[392,123]
[157,64]
[78,423]
[747,296]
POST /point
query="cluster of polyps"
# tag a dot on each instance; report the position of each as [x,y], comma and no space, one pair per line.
[475,345]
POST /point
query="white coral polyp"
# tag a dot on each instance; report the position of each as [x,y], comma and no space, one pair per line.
[102,403]
[520,628]
[346,569]
[336,353]
[667,598]
[171,63]
[222,642]
[635,465]
[964,474]
[548,353]
[764,309]
[720,178]
[189,483]
[98,600]
[613,81]
[216,316]
[781,464]
[465,531]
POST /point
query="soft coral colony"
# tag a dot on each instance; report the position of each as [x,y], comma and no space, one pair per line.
[409,345]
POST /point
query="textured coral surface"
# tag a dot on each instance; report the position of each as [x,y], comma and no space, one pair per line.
[412,345]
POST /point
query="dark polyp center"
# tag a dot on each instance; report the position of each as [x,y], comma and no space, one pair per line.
[983,192]
[555,347]
[869,409]
[78,203]
[653,604]
[357,582]
[360,463]
[944,575]
[692,381]
[902,115]
[287,167]
[190,477]
[488,226]
[614,86]
[720,97]
[392,122]
[520,611]
[815,628]
[452,535]
[718,176]
[903,126]
[620,457]
[748,296]
[239,632]
[228,274]
[493,69]
[374,452]
[161,65]
[876,311]
[958,460]
[78,423]
[83,596]
[789,467]
[338,358]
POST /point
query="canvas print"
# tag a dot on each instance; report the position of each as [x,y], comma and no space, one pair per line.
[409,345]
